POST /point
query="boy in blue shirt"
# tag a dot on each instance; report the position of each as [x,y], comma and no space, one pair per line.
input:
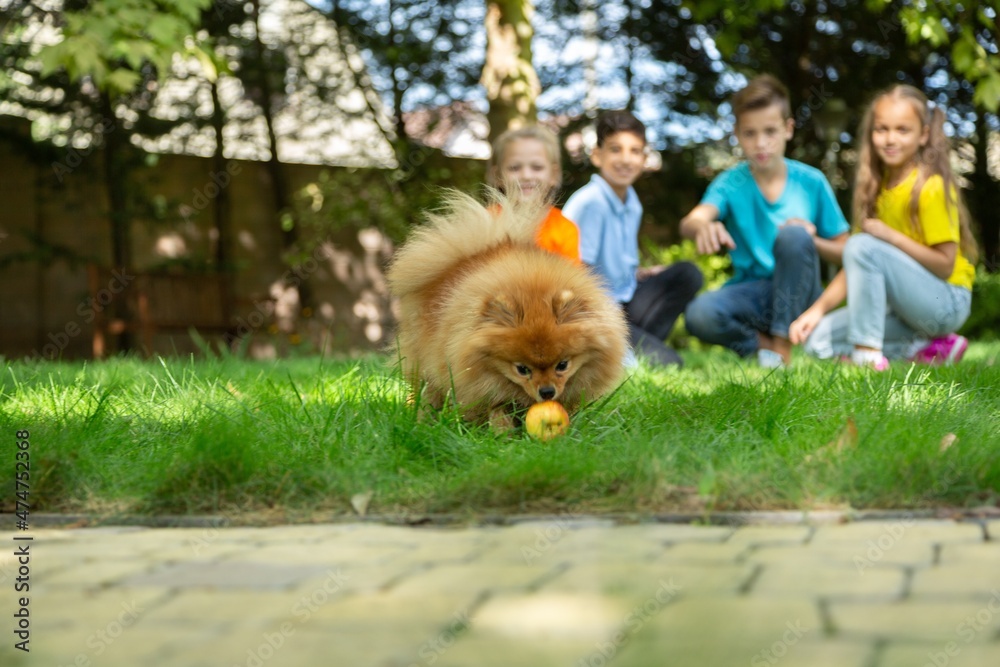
[778,218]
[608,213]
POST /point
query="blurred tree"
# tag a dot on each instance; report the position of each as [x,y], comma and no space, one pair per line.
[970,31]
[821,49]
[104,50]
[970,34]
[420,53]
[509,76]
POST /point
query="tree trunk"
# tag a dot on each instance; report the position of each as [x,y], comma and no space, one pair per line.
[116,192]
[405,149]
[275,168]
[221,209]
[983,200]
[510,79]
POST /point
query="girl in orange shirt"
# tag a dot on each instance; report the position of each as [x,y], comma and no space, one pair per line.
[526,164]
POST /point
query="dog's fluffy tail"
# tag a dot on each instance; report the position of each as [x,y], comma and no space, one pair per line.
[461,229]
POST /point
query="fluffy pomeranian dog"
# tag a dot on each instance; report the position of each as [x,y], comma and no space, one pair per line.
[490,316]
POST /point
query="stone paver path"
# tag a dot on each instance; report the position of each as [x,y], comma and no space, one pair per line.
[579,593]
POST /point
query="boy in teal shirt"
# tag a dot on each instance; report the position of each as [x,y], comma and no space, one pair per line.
[777,218]
[608,213]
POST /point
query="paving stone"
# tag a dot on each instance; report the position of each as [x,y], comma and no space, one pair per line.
[364,595]
[477,649]
[40,535]
[212,574]
[287,645]
[917,620]
[640,580]
[329,553]
[859,558]
[96,574]
[980,580]
[718,631]
[141,644]
[361,613]
[809,580]
[703,553]
[552,544]
[93,611]
[226,606]
[955,653]
[698,618]
[199,551]
[902,530]
[42,563]
[550,615]
[723,651]
[675,533]
[443,551]
[771,535]
[89,543]
[376,534]
[466,578]
[984,553]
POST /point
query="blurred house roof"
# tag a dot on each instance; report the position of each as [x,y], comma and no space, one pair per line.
[458,130]
[328,116]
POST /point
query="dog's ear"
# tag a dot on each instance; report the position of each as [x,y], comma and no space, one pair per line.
[568,307]
[501,310]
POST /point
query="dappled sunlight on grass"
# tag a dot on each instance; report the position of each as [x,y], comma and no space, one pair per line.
[308,434]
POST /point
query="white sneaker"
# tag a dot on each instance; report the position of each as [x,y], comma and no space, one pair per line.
[769,359]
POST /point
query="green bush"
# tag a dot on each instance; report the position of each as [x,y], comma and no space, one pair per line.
[985,317]
[715,268]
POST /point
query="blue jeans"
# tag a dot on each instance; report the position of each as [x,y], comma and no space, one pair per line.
[894,304]
[732,316]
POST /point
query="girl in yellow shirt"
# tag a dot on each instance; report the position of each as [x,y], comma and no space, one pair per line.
[908,270]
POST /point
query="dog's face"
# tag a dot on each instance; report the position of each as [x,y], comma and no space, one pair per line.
[537,344]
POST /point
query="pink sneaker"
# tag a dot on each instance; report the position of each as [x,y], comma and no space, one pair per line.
[940,351]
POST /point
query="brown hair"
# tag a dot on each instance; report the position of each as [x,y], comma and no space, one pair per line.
[613,122]
[543,135]
[933,159]
[762,92]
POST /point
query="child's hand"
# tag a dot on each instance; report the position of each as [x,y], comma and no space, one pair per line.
[805,224]
[800,329]
[878,229]
[644,272]
[712,238]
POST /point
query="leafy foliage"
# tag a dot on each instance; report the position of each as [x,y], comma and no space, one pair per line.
[984,320]
[972,32]
[112,41]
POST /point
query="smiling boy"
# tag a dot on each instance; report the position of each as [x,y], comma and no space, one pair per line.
[777,218]
[608,212]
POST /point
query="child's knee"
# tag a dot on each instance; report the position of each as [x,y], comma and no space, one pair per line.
[702,315]
[689,277]
[793,241]
[859,247]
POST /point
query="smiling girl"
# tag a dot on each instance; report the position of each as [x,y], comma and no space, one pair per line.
[526,165]
[908,271]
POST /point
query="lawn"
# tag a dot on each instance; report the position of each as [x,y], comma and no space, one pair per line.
[299,438]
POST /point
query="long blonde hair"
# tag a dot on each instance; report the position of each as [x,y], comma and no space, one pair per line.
[933,159]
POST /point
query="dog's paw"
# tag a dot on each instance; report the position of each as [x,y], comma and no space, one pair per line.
[502,420]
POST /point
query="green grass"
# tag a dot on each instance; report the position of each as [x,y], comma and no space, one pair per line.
[300,437]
